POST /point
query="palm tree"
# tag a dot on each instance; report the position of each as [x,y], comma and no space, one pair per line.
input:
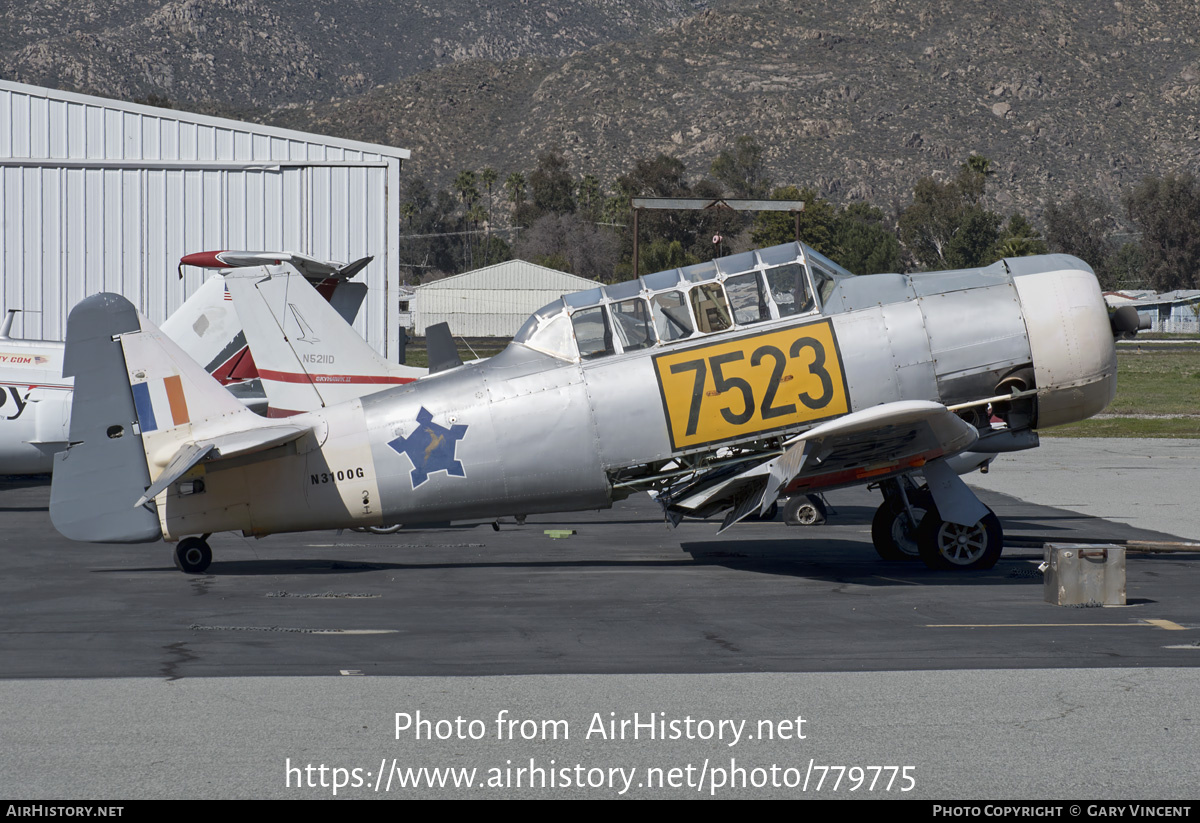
[488,176]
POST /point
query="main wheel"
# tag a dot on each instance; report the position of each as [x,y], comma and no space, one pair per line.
[946,545]
[192,555]
[893,534]
[767,517]
[804,510]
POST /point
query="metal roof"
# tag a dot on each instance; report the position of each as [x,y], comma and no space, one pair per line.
[102,128]
[512,274]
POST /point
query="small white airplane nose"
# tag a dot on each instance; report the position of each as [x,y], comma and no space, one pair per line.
[1070,337]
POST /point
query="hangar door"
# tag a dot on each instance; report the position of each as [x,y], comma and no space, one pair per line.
[73,228]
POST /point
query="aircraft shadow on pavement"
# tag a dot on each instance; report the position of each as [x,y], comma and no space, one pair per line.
[321,566]
[845,560]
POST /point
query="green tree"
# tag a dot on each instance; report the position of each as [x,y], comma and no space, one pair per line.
[1125,268]
[570,242]
[514,188]
[660,176]
[488,177]
[1019,239]
[741,170]
[551,188]
[1167,210]
[590,198]
[1080,227]
[818,222]
[431,221]
[661,255]
[946,226]
[864,244]
[464,184]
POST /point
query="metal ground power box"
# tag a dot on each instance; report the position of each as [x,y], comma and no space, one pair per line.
[1085,574]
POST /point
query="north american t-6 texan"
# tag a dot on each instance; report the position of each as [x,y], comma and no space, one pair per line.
[719,387]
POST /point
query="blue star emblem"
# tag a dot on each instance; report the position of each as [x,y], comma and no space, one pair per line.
[431,448]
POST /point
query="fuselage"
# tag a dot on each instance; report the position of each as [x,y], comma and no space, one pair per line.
[35,405]
[610,388]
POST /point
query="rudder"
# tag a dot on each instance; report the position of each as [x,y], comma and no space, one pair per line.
[104,469]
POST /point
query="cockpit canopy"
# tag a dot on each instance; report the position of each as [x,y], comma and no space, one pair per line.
[726,293]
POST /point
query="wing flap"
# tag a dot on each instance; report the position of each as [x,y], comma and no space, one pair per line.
[874,443]
[868,445]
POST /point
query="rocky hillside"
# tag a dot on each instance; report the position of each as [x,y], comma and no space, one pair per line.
[859,99]
[260,53]
[1061,98]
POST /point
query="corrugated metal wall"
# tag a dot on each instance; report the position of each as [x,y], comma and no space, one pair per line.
[98,195]
[492,301]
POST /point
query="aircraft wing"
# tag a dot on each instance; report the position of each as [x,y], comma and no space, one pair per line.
[862,447]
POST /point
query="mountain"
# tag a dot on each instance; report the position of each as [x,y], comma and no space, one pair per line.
[858,99]
[259,53]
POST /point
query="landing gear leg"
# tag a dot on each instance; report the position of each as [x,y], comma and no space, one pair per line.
[192,554]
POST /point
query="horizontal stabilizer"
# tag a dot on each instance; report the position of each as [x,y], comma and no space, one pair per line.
[228,444]
[188,455]
[310,267]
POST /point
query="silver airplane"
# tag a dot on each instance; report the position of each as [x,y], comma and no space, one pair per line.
[718,387]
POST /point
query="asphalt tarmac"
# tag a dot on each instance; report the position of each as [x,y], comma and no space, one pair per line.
[124,678]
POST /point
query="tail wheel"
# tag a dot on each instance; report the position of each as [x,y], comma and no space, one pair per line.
[945,545]
[192,555]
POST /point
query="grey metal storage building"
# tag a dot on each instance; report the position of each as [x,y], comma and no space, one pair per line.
[102,195]
[493,301]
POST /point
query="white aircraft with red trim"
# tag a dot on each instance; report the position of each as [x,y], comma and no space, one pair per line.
[307,355]
[719,386]
[35,398]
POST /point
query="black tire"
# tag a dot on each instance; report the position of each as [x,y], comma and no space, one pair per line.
[769,516]
[192,555]
[946,545]
[892,534]
[805,510]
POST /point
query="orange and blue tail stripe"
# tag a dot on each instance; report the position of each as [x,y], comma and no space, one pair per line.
[165,396]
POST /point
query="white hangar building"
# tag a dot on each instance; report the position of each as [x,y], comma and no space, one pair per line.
[493,301]
[100,195]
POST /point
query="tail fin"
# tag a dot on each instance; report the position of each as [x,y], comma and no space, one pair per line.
[443,353]
[307,356]
[207,325]
[104,470]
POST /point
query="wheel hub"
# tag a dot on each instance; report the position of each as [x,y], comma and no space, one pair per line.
[963,544]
